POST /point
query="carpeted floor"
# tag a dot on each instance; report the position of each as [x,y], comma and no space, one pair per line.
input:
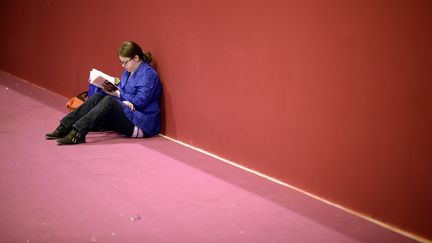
[116,189]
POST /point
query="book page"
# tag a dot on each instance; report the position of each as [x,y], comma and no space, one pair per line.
[98,78]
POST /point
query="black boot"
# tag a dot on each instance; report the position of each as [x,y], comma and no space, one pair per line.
[60,132]
[73,137]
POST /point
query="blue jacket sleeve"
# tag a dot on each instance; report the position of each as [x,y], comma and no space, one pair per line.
[141,88]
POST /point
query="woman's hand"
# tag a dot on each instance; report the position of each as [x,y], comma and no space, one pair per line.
[115,93]
[128,104]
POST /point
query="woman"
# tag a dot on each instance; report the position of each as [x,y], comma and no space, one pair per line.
[133,109]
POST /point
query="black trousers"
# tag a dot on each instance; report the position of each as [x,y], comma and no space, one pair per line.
[99,112]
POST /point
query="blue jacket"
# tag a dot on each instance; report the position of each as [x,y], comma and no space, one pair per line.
[144,91]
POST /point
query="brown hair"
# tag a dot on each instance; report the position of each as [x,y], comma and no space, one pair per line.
[131,49]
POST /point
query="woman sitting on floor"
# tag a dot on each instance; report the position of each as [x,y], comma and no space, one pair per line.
[133,109]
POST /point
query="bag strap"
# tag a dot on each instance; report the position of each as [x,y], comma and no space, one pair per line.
[83,96]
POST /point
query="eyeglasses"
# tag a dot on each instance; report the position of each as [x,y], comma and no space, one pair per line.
[124,63]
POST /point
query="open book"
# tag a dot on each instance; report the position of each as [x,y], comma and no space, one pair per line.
[99,78]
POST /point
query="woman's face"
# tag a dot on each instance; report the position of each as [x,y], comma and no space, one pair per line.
[129,64]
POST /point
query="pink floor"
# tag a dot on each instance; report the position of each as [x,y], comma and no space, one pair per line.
[115,189]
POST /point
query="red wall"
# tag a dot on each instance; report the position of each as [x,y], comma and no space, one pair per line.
[330,96]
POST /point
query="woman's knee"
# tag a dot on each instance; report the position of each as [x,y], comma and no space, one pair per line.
[96,97]
[109,101]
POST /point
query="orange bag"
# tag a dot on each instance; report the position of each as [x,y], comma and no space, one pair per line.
[76,101]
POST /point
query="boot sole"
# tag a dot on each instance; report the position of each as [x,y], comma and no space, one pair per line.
[59,143]
[51,138]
